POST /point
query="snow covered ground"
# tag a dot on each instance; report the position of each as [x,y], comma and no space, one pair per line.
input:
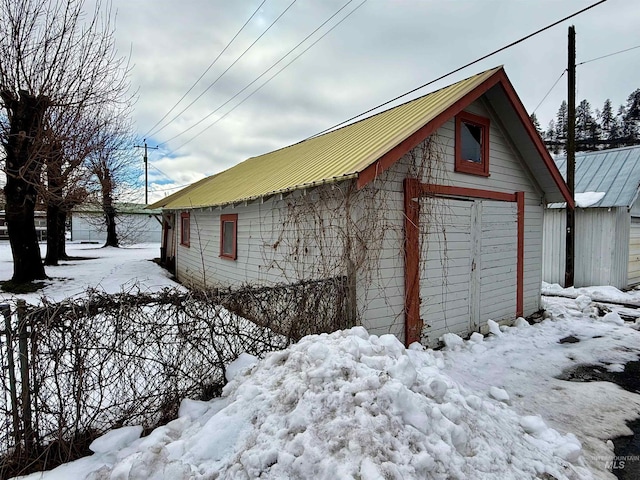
[351,405]
[108,269]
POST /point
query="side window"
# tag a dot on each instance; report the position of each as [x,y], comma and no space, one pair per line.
[185,229]
[229,236]
[472,144]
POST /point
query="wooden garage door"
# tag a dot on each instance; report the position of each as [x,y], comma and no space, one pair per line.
[498,259]
[445,269]
[634,252]
[468,271]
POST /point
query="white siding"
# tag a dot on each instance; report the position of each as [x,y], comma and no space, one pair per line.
[275,244]
[508,175]
[601,246]
[272,248]
[554,245]
[131,228]
[533,218]
[634,252]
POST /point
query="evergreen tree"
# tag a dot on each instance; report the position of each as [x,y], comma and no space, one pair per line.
[607,119]
[631,118]
[628,127]
[584,120]
[587,128]
[616,132]
[536,123]
[633,105]
[562,121]
[550,134]
[551,138]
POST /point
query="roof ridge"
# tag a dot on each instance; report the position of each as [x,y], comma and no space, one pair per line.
[494,69]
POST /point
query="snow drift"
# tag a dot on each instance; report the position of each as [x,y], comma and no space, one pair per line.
[344,405]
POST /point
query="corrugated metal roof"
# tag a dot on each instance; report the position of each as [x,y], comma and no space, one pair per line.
[615,172]
[337,155]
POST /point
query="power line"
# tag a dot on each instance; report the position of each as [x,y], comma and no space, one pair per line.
[459,68]
[207,69]
[153,190]
[265,72]
[608,55]
[582,63]
[552,87]
[162,173]
[227,69]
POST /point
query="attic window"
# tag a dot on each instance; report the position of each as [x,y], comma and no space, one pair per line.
[472,144]
[185,229]
[229,236]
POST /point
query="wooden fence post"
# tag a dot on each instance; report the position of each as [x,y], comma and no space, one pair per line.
[5,308]
[23,333]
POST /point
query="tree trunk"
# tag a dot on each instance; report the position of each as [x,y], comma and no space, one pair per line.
[53,234]
[112,235]
[27,260]
[53,199]
[62,240]
[109,210]
[23,168]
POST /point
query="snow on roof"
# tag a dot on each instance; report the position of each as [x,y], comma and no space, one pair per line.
[616,172]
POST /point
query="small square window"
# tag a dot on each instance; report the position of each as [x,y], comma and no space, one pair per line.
[185,229]
[228,236]
[472,144]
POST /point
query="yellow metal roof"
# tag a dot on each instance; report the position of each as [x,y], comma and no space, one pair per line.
[337,155]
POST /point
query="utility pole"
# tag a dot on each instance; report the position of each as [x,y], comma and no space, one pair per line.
[146,170]
[571,158]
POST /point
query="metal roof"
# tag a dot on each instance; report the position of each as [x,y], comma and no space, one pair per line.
[365,148]
[337,155]
[615,172]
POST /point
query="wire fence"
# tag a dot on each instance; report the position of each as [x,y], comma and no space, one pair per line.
[80,367]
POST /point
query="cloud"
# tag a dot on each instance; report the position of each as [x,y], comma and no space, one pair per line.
[385,48]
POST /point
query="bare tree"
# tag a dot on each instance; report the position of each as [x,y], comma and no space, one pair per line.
[112,166]
[52,56]
[72,137]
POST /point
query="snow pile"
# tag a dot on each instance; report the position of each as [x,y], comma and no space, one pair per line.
[600,293]
[344,405]
[586,199]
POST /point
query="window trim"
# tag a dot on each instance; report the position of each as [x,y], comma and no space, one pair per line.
[467,166]
[185,234]
[230,217]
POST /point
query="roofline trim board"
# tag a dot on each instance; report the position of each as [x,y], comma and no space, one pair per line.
[516,103]
[371,172]
[285,191]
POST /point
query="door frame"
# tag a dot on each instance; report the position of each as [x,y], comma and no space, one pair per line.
[413,191]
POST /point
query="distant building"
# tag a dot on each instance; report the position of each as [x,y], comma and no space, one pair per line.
[134,224]
[40,221]
[607,221]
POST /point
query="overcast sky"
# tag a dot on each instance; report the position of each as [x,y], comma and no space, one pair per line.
[383,49]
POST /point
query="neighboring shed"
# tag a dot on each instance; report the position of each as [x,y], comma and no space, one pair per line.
[134,224]
[430,211]
[607,228]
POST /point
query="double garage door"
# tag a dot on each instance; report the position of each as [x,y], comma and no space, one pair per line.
[468,271]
